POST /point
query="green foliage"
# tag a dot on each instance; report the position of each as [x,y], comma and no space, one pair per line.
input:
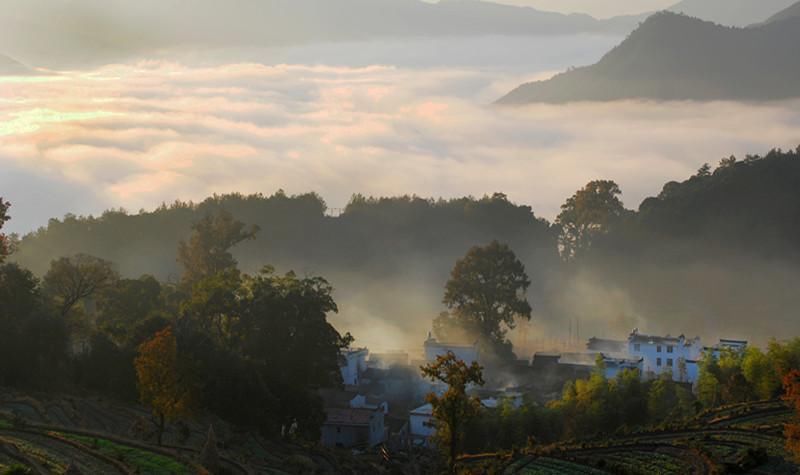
[72,279]
[32,340]
[17,470]
[4,205]
[486,295]
[206,254]
[589,213]
[735,377]
[140,460]
[123,306]
[453,410]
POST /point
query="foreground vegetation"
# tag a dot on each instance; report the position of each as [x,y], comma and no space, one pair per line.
[739,438]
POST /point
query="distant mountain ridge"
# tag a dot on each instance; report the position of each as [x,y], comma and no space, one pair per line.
[101,30]
[731,12]
[676,57]
[792,11]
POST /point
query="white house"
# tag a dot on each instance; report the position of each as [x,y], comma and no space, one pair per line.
[353,428]
[614,366]
[466,353]
[677,356]
[352,364]
[736,346]
[421,425]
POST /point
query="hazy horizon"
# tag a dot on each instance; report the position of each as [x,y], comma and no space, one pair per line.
[139,134]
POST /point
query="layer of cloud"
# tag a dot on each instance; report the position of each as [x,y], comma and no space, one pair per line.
[134,135]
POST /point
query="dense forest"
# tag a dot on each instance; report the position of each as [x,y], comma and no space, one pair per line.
[704,255]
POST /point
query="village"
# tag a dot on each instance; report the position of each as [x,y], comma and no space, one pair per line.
[383,399]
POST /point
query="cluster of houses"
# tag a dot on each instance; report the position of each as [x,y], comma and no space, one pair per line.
[655,356]
[383,399]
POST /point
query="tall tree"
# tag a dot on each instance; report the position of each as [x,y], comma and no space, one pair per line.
[791,388]
[454,409]
[208,250]
[72,279]
[128,304]
[486,293]
[162,386]
[590,212]
[4,205]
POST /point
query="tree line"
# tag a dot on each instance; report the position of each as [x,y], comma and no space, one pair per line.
[251,348]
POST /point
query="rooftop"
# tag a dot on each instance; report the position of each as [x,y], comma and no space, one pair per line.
[425,410]
[349,417]
[636,337]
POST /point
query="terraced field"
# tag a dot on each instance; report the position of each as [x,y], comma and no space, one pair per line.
[48,433]
[745,438]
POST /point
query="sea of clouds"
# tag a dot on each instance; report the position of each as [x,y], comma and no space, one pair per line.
[137,134]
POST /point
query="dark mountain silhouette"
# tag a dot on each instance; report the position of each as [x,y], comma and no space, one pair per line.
[92,31]
[676,57]
[792,11]
[731,12]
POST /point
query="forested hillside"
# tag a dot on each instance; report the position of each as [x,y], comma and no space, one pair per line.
[708,252]
[792,11]
[730,12]
[676,57]
[712,254]
[387,258]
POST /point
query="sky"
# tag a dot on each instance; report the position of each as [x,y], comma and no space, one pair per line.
[596,8]
[138,134]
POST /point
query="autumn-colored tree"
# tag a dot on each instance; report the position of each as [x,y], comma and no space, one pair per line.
[3,218]
[454,409]
[207,251]
[161,383]
[486,294]
[791,394]
[589,213]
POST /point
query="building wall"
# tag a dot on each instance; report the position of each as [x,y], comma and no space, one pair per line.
[355,363]
[420,427]
[377,432]
[662,357]
[352,436]
[344,436]
[433,349]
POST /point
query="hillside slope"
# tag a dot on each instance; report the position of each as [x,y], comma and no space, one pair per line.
[792,11]
[675,57]
[731,12]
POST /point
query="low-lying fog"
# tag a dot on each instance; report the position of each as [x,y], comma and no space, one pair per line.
[380,118]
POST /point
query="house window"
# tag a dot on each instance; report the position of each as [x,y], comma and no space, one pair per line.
[658,361]
[658,349]
[669,349]
[669,362]
[637,347]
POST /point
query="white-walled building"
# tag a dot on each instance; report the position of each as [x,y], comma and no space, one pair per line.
[466,353]
[677,356]
[614,366]
[352,365]
[736,346]
[353,428]
[421,425]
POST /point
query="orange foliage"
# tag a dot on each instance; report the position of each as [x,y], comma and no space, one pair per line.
[160,384]
[791,387]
